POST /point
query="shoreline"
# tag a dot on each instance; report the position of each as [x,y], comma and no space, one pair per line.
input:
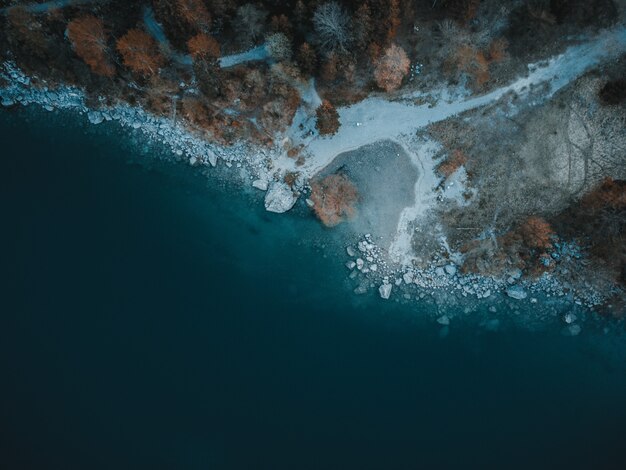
[370,265]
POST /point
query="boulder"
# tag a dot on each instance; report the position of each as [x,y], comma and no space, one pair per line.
[450,269]
[443,320]
[516,292]
[95,117]
[279,198]
[260,184]
[385,290]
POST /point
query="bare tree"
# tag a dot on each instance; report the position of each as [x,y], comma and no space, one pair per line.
[250,22]
[333,27]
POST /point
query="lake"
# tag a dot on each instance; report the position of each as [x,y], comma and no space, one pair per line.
[154,317]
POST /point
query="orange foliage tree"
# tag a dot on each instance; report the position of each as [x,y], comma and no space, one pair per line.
[89,40]
[195,13]
[203,46]
[140,52]
[334,198]
[537,233]
[327,118]
[391,68]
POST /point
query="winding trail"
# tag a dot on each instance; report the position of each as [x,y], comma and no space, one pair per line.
[255,54]
[375,119]
[156,31]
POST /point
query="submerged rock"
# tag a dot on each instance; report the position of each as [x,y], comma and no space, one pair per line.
[443,320]
[279,198]
[385,290]
[516,292]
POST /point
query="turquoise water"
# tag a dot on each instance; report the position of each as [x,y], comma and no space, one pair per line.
[156,318]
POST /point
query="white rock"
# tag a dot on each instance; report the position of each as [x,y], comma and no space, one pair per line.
[309,202]
[439,271]
[408,277]
[279,198]
[95,117]
[516,292]
[350,251]
[374,267]
[359,263]
[192,161]
[350,265]
[259,184]
[443,320]
[450,269]
[212,158]
[385,290]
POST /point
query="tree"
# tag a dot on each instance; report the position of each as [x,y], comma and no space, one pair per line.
[327,118]
[307,59]
[613,92]
[90,44]
[394,19]
[140,52]
[364,26]
[250,22]
[279,46]
[334,198]
[203,46]
[391,68]
[537,233]
[195,13]
[332,27]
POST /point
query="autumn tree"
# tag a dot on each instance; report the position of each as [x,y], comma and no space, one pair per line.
[27,32]
[449,166]
[281,24]
[195,13]
[89,41]
[327,118]
[140,52]
[393,19]
[363,25]
[473,62]
[334,198]
[307,59]
[203,46]
[537,233]
[391,68]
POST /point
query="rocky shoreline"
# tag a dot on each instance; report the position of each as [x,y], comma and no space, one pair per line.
[368,264]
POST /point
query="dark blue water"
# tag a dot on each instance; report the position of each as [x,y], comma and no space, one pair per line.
[151,318]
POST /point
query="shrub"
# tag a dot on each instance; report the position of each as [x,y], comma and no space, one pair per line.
[334,198]
[327,119]
[391,68]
